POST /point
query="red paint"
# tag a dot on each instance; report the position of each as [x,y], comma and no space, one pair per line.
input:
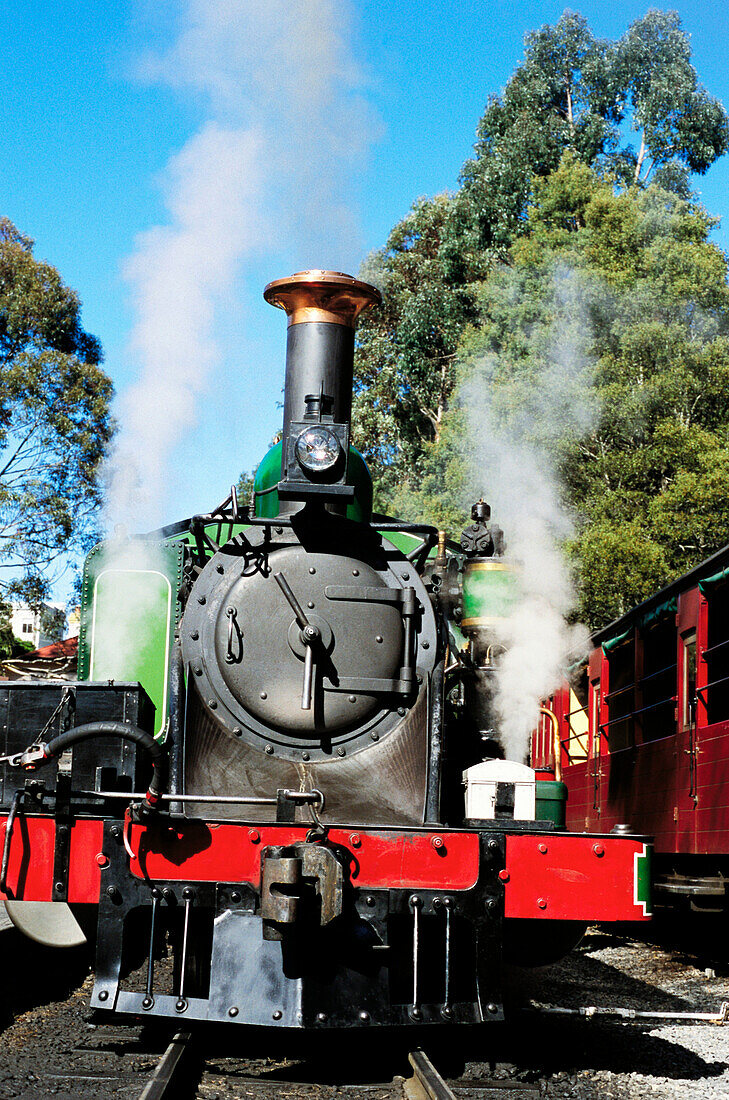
[225,853]
[84,873]
[504,875]
[30,867]
[32,850]
[572,884]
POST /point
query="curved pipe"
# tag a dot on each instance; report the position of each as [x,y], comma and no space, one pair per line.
[556,743]
[92,730]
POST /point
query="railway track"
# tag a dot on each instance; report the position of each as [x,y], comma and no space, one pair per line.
[675,1039]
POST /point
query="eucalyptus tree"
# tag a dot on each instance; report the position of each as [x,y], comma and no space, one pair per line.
[55,423]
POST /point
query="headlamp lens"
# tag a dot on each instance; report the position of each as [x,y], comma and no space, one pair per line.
[317,449]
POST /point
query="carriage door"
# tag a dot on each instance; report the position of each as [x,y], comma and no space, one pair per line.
[686,799]
[597,672]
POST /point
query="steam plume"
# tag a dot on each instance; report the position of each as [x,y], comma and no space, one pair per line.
[271,168]
[514,431]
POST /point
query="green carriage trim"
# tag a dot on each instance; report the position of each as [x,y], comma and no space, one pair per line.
[642,879]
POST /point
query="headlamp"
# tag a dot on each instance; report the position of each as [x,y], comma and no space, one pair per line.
[317,449]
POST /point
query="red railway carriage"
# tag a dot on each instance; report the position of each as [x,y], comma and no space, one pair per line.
[643,733]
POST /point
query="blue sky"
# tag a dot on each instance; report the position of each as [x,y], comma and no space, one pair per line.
[113,120]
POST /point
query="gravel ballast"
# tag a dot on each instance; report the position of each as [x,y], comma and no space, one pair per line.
[42,1040]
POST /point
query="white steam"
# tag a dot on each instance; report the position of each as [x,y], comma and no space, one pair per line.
[271,170]
[514,460]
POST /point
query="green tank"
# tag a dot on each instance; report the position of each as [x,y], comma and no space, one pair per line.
[551,801]
[490,591]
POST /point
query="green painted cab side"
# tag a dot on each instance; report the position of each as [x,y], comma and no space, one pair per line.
[129,611]
[268,476]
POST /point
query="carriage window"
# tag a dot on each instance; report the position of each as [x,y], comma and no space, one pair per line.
[657,710]
[717,655]
[621,697]
[595,718]
[577,720]
[688,684]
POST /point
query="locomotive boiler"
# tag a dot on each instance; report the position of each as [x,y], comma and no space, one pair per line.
[278,779]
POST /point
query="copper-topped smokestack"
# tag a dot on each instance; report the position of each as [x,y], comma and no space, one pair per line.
[322,309]
[328,296]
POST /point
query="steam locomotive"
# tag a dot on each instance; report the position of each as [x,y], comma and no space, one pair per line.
[278,779]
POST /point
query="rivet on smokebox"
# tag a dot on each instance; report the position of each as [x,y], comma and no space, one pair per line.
[598,850]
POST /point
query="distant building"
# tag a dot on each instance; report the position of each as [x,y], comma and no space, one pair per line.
[53,662]
[73,622]
[42,627]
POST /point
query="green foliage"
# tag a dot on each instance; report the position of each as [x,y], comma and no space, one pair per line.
[405,366]
[609,353]
[682,127]
[564,96]
[244,488]
[54,420]
[567,302]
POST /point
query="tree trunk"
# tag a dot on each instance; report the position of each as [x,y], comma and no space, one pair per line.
[570,114]
[641,157]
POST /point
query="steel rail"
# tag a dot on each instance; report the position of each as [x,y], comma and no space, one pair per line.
[426,1083]
[591,1012]
[163,1081]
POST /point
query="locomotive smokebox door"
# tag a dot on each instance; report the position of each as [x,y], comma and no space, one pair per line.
[335,664]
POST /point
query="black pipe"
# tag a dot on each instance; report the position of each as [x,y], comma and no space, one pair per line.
[92,730]
[104,729]
[433,814]
[17,799]
[177,705]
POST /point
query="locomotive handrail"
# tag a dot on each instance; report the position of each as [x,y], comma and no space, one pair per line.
[714,683]
[660,672]
[579,738]
[577,710]
[713,648]
[130,796]
[620,691]
[640,710]
[304,797]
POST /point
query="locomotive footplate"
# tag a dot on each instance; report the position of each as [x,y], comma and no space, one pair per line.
[303,946]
